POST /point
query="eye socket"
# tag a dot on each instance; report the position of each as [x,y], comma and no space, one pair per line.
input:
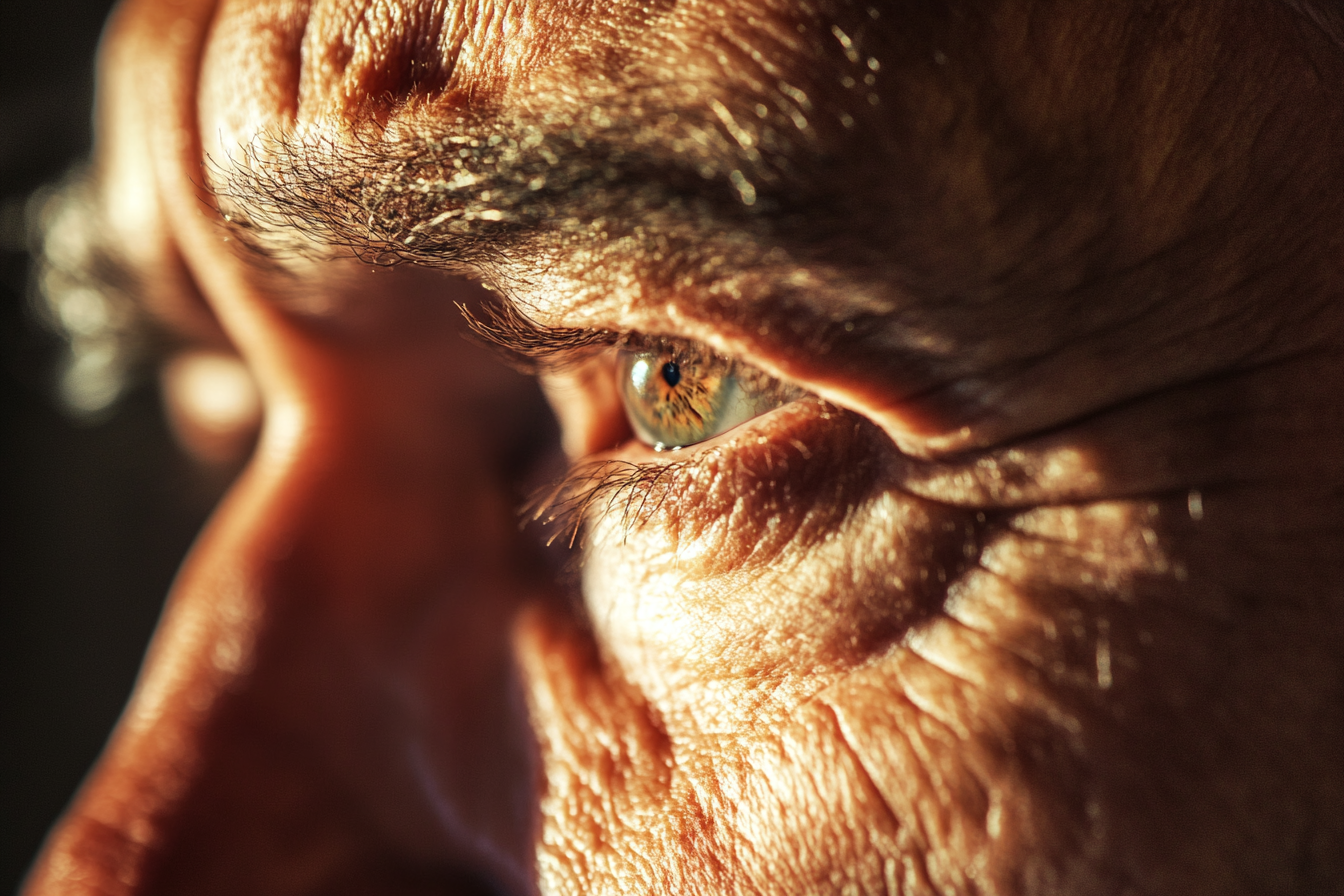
[678,395]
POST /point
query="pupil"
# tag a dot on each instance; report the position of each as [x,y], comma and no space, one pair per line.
[671,373]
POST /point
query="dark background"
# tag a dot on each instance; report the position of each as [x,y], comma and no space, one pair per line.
[94,518]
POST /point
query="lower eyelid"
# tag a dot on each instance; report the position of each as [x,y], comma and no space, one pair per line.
[775,472]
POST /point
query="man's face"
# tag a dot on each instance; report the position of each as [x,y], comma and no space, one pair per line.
[951,392]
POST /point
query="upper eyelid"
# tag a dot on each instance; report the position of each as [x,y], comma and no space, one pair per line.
[538,349]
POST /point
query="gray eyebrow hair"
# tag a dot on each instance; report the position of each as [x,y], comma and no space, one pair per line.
[471,195]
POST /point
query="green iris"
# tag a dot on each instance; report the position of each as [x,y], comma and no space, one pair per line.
[677,395]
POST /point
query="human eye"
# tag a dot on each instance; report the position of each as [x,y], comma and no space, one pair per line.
[676,394]
[671,431]
[638,391]
[668,429]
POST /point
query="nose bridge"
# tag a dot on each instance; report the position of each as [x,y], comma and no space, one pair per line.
[329,703]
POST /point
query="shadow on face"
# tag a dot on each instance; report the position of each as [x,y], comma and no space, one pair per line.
[1020,575]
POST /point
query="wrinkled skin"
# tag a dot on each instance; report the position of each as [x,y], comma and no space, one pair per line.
[1042,592]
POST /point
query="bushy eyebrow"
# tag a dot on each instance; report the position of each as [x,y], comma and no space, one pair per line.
[468,194]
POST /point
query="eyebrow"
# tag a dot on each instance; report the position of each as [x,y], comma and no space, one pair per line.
[469,195]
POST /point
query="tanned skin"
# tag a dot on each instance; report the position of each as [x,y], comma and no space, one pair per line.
[1038,590]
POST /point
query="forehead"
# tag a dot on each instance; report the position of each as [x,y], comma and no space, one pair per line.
[737,91]
[319,59]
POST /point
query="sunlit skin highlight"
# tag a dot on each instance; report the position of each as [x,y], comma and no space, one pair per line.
[1031,586]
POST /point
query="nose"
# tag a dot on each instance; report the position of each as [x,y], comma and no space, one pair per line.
[329,704]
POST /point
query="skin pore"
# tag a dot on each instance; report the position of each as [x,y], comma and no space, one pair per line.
[1037,590]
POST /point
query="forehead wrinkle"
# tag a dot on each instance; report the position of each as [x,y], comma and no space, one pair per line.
[351,50]
[369,58]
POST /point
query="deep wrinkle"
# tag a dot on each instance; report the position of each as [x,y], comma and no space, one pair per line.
[780,697]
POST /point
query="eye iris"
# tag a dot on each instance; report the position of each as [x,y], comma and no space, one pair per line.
[673,402]
[676,397]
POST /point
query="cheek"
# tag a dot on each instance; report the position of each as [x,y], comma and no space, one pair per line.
[629,810]
[1015,734]
[714,642]
[741,581]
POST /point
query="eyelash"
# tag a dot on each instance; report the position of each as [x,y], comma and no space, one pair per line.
[534,349]
[639,490]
